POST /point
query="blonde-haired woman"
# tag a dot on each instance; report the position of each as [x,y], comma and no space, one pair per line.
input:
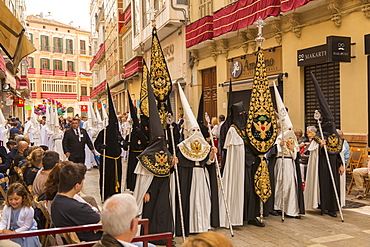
[207,239]
[34,164]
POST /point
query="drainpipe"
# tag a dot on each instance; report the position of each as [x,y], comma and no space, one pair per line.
[183,10]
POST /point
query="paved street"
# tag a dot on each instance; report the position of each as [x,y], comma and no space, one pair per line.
[312,230]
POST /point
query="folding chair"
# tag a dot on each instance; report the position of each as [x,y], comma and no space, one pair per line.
[355,159]
[3,180]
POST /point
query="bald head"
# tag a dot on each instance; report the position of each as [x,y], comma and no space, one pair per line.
[22,145]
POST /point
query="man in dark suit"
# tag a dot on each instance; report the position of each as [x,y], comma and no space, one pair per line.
[74,141]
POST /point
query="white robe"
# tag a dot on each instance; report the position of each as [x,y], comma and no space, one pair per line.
[312,189]
[287,184]
[200,198]
[58,145]
[43,135]
[233,180]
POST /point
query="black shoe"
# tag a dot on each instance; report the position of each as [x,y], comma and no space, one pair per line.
[274,213]
[256,223]
[332,214]
[295,217]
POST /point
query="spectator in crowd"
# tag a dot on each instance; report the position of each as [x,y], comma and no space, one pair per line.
[358,175]
[49,160]
[13,131]
[71,180]
[207,239]
[34,164]
[305,152]
[19,156]
[346,150]
[17,215]
[120,216]
[74,141]
[299,134]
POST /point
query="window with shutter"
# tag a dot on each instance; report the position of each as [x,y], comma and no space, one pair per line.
[58,64]
[45,63]
[31,62]
[70,66]
[57,44]
[69,46]
[30,35]
[44,43]
[83,47]
[327,75]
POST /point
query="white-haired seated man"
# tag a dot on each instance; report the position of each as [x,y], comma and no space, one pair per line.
[120,216]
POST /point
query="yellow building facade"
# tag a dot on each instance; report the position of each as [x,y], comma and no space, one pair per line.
[59,69]
[298,41]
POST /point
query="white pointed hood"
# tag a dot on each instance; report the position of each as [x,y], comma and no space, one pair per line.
[286,126]
[2,119]
[98,117]
[195,147]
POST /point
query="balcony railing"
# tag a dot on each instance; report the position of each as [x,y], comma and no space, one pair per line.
[46,72]
[69,51]
[59,73]
[58,49]
[71,73]
[32,71]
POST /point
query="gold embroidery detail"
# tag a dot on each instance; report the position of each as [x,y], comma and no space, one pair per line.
[262,185]
[334,144]
[261,125]
[196,150]
[241,132]
[160,167]
[144,104]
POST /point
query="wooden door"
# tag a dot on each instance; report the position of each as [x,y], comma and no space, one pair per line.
[209,89]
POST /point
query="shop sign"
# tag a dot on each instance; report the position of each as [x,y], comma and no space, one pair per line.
[243,67]
[339,49]
[312,55]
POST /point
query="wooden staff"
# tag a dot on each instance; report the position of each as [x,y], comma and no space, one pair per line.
[170,120]
[219,175]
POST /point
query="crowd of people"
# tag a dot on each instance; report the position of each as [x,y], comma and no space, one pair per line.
[186,178]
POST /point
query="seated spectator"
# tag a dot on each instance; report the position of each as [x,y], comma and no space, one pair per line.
[52,184]
[207,239]
[65,210]
[358,175]
[13,131]
[49,160]
[120,216]
[19,159]
[34,164]
[17,215]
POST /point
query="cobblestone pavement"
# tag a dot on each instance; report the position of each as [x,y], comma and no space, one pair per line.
[312,230]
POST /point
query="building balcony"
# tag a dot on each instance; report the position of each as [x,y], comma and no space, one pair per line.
[84,98]
[59,73]
[46,72]
[71,73]
[99,17]
[99,56]
[167,21]
[31,71]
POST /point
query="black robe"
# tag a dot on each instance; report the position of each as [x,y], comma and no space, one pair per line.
[113,164]
[251,199]
[269,205]
[138,142]
[327,195]
[185,168]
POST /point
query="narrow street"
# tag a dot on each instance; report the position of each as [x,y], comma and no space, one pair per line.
[312,230]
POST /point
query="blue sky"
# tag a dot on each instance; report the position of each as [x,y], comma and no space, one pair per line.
[63,11]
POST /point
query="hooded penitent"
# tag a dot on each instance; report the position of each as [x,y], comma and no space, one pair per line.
[286,126]
[334,142]
[108,144]
[200,118]
[155,158]
[195,147]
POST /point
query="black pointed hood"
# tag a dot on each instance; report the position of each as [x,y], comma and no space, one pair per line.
[334,141]
[155,158]
[326,114]
[133,113]
[226,125]
[200,117]
[238,115]
[114,137]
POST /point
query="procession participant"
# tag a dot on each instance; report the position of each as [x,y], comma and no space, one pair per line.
[194,154]
[237,177]
[286,182]
[152,189]
[135,142]
[108,144]
[319,191]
